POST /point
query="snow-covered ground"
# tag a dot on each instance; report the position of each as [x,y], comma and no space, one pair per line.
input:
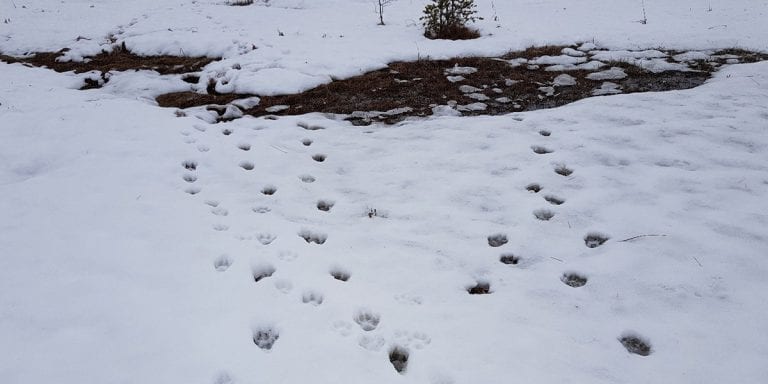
[130,238]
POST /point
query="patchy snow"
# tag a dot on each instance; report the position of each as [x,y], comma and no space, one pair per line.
[615,73]
[469,89]
[607,88]
[460,70]
[558,60]
[564,80]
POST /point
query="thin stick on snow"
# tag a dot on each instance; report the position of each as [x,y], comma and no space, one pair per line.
[697,261]
[639,236]
[278,148]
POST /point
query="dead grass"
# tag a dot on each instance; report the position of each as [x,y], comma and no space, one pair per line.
[455,32]
[120,59]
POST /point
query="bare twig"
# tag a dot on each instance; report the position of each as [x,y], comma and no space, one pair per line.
[278,148]
[697,261]
[639,236]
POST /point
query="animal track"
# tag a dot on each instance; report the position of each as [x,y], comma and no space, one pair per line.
[554,200]
[203,148]
[544,132]
[318,157]
[635,344]
[192,190]
[219,211]
[342,327]
[247,165]
[497,240]
[325,205]
[283,285]
[222,263]
[541,150]
[307,178]
[226,131]
[220,227]
[212,203]
[563,170]
[261,209]
[312,297]
[265,337]
[244,146]
[287,255]
[313,237]
[533,187]
[306,142]
[543,214]
[367,320]
[269,190]
[573,280]
[266,238]
[309,127]
[595,239]
[189,165]
[262,271]
[398,356]
[416,340]
[481,288]
[189,178]
[508,258]
[371,342]
[340,274]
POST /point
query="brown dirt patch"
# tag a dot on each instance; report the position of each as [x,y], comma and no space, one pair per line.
[120,59]
[414,88]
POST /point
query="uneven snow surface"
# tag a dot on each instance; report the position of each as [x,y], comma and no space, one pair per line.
[141,247]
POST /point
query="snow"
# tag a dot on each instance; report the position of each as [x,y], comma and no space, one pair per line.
[131,237]
[615,73]
[607,88]
[564,80]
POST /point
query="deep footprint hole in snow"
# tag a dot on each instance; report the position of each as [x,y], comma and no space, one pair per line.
[533,187]
[573,279]
[398,356]
[595,239]
[313,237]
[508,258]
[497,240]
[325,205]
[340,274]
[261,272]
[265,338]
[635,344]
[563,170]
[247,165]
[554,200]
[269,190]
[480,288]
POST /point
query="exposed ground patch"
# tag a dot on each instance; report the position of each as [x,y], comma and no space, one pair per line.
[120,59]
[542,77]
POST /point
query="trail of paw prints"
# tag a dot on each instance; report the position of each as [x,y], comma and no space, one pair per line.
[190,177]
